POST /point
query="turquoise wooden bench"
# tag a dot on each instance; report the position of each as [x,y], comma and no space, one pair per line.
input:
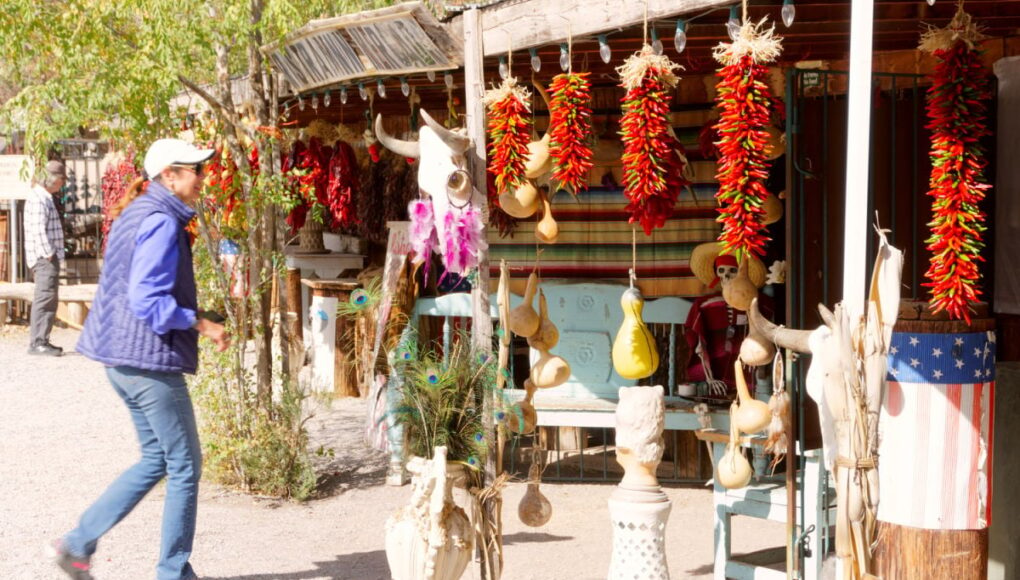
[588,316]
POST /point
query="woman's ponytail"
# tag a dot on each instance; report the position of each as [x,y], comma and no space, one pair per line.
[136,188]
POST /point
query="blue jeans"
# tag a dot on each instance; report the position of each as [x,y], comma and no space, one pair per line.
[161,409]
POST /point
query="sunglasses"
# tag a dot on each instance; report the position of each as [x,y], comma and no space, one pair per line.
[198,168]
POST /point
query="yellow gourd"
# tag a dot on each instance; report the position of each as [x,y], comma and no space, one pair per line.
[740,291]
[634,353]
[524,320]
[753,415]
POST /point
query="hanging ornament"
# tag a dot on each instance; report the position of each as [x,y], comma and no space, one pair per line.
[509,112]
[570,128]
[733,24]
[788,12]
[744,103]
[605,53]
[957,117]
[649,149]
[564,57]
[536,62]
[656,43]
[680,37]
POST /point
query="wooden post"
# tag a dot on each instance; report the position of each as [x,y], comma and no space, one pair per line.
[293,318]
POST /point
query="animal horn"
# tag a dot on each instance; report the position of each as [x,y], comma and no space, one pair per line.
[541,91]
[796,340]
[454,140]
[827,316]
[398,146]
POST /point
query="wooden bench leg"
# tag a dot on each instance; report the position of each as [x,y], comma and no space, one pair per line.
[722,520]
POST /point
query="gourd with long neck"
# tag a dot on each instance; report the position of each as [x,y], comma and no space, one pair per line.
[756,350]
[634,352]
[524,414]
[753,415]
[524,320]
[549,370]
[547,230]
[740,291]
[733,470]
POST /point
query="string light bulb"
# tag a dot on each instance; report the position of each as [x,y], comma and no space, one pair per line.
[326,99]
[315,102]
[448,79]
[733,24]
[431,75]
[300,103]
[362,92]
[680,37]
[504,71]
[564,57]
[931,2]
[656,43]
[789,12]
[604,51]
[343,95]
[381,86]
[405,88]
[536,62]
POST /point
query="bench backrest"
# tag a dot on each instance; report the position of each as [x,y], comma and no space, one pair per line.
[588,315]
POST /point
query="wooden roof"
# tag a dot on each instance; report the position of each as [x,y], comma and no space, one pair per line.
[820,32]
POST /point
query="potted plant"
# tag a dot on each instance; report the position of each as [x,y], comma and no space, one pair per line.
[441,409]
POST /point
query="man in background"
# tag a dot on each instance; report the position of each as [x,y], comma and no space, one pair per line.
[44,250]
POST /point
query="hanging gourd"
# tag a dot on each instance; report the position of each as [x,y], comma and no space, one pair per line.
[522,202]
[524,414]
[535,510]
[524,320]
[957,116]
[752,415]
[744,101]
[549,370]
[740,291]
[733,470]
[634,352]
[547,230]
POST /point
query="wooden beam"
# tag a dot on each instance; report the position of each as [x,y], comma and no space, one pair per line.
[538,22]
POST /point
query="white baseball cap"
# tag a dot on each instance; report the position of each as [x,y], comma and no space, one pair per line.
[166,152]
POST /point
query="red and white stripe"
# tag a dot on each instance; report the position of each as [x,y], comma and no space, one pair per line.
[934,450]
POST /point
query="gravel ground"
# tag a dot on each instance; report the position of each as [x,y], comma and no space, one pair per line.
[64,435]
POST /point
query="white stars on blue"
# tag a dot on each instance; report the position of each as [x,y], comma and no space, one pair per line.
[942,358]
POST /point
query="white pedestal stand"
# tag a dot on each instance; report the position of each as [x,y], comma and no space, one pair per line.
[639,515]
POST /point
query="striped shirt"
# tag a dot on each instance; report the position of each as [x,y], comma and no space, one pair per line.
[44,234]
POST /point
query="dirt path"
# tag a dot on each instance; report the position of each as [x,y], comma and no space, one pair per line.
[64,435]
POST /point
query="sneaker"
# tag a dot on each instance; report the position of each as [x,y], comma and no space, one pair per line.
[75,567]
[46,349]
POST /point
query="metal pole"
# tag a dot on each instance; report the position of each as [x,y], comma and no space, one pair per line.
[14,241]
[855,223]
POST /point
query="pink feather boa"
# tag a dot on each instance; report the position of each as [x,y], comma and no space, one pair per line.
[423,229]
[463,240]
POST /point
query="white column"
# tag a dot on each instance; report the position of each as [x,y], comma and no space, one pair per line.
[856,218]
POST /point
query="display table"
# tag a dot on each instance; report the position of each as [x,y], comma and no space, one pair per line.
[323,266]
[332,344]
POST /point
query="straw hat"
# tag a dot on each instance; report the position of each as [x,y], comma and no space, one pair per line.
[702,263]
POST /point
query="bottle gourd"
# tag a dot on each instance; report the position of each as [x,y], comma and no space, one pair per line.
[634,352]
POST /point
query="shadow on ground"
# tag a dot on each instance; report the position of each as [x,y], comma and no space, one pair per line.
[358,566]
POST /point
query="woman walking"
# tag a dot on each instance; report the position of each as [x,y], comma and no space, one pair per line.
[144,326]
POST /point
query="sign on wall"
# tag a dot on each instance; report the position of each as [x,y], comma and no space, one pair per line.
[14,177]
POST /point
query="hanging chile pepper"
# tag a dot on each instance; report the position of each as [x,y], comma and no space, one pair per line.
[649,148]
[509,133]
[745,105]
[957,117]
[570,126]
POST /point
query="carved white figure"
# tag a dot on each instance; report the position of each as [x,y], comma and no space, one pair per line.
[638,509]
[639,423]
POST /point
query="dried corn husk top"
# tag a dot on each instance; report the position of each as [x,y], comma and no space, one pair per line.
[961,27]
[508,87]
[346,134]
[326,132]
[756,40]
[634,69]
